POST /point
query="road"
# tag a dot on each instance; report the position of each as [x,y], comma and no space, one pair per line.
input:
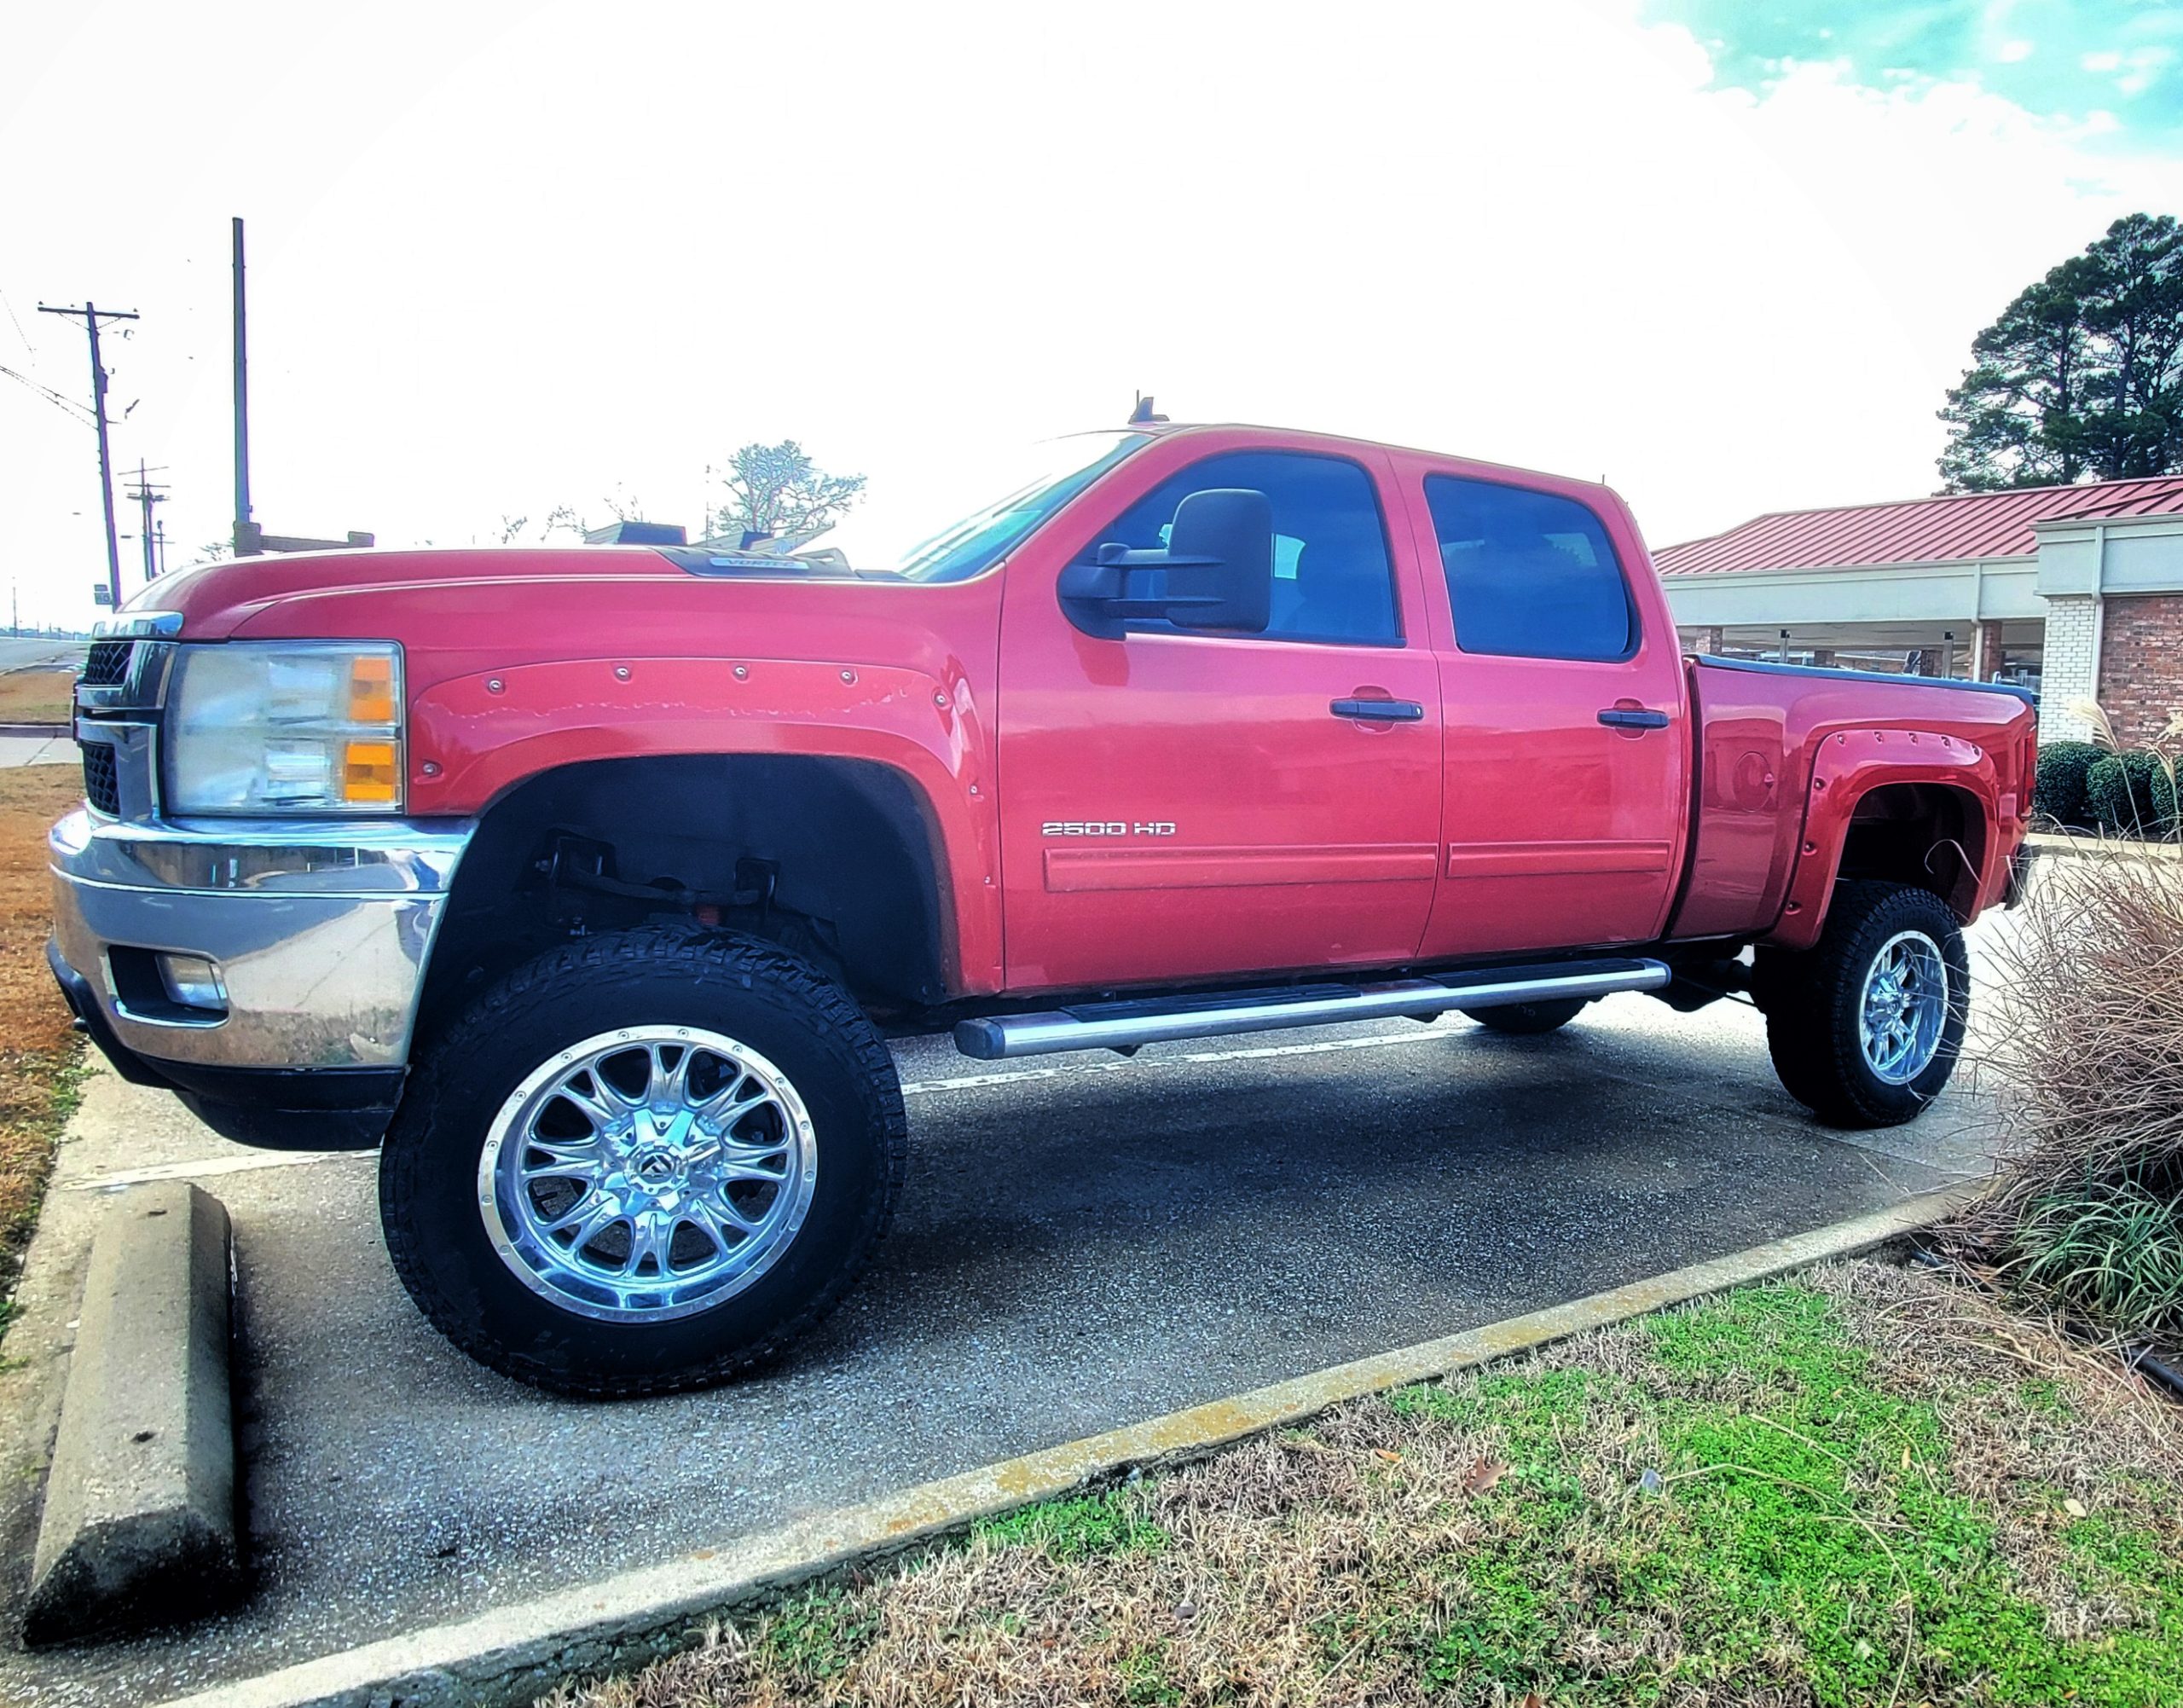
[30,652]
[1084,1242]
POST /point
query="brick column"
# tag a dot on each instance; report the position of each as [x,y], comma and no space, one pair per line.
[1985,651]
[1704,641]
[2141,663]
[2067,673]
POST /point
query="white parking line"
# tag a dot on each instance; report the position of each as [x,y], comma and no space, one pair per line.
[211,1167]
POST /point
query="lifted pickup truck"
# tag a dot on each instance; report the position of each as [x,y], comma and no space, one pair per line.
[594,880]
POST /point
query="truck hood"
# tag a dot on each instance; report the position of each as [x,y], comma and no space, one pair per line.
[475,612]
[219,599]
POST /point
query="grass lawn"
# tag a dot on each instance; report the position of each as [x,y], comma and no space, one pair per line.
[37,696]
[40,1057]
[1865,1486]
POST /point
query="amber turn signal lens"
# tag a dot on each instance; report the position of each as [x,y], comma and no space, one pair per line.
[368,771]
[371,689]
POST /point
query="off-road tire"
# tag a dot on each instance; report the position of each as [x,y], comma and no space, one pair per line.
[1811,1001]
[751,990]
[1527,1019]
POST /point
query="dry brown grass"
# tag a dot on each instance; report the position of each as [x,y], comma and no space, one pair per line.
[1479,1543]
[38,1052]
[37,696]
[2088,1011]
[2086,1017]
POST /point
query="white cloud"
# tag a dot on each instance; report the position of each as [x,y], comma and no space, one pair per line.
[506,256]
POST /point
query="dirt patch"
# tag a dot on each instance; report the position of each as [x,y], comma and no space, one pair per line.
[40,1054]
[37,696]
[1868,1486]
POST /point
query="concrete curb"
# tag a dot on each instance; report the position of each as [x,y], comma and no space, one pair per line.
[139,1524]
[514,1654]
[51,732]
[2047,845]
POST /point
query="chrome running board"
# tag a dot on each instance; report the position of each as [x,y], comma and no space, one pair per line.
[1152,1020]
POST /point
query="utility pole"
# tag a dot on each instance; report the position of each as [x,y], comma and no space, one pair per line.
[90,316]
[245,543]
[145,495]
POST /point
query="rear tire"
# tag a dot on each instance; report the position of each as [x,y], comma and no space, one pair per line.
[1527,1019]
[642,1162]
[1865,1027]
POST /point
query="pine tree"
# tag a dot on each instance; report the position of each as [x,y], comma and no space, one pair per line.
[2081,377]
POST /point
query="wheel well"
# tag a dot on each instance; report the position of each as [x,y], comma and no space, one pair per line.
[1926,834]
[835,860]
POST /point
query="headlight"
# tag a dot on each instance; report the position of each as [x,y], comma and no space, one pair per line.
[284,727]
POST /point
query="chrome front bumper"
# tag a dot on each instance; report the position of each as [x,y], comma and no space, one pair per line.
[320,934]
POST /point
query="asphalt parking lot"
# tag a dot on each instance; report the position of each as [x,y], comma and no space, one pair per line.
[1084,1242]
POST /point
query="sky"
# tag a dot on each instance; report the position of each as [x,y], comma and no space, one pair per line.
[1727,254]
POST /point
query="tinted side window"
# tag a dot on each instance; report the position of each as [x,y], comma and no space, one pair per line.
[1332,579]
[1529,574]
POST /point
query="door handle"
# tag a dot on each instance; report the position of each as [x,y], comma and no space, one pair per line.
[1622,717]
[1379,711]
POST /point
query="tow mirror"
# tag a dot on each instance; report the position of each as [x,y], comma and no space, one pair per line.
[1215,572]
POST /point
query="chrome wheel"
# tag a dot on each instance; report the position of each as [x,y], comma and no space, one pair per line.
[1903,1010]
[647,1173]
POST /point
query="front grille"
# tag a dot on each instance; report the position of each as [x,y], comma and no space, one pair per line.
[101,787]
[108,663]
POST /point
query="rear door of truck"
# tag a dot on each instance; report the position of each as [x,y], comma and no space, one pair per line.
[1566,793]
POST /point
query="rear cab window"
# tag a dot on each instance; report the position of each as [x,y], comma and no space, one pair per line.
[1529,574]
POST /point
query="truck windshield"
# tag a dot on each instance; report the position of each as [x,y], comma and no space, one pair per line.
[981,538]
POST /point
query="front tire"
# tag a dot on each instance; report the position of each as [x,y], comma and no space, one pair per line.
[642,1162]
[1865,1027]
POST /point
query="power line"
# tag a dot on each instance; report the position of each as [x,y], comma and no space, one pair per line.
[51,395]
[19,332]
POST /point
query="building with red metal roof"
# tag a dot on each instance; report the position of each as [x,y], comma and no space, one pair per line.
[2075,590]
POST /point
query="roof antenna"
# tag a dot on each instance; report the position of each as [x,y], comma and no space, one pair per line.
[1142,415]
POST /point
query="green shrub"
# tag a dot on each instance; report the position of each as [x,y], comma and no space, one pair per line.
[2058,794]
[2131,794]
[2110,1250]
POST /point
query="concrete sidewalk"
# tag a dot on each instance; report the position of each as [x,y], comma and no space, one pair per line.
[59,748]
[1085,1242]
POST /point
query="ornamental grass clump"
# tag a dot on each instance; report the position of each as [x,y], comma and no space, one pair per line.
[2088,1001]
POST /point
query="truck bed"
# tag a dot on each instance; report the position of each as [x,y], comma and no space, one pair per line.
[1767,734]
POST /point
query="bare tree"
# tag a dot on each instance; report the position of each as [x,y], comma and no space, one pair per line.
[777,492]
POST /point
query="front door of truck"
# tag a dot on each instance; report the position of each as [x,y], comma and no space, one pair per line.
[1566,785]
[1188,805]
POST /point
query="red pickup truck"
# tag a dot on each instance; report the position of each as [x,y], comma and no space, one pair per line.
[594,880]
